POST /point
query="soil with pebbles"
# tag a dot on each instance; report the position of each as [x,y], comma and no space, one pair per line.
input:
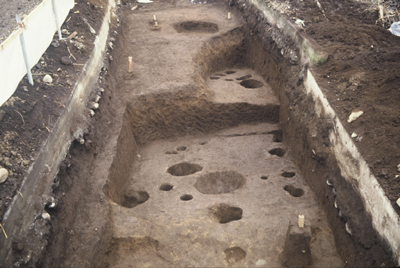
[27,118]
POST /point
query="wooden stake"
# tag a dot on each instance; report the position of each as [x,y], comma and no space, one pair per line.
[4,231]
[301,221]
[320,7]
[72,35]
[156,23]
[381,11]
[130,64]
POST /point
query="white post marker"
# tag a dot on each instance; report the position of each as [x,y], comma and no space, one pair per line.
[301,221]
[154,17]
[156,23]
[21,38]
[130,64]
[229,15]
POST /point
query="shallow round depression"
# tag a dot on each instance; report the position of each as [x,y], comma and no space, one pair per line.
[219,182]
[196,27]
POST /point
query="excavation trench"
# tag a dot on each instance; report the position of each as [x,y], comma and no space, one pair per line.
[210,169]
[187,168]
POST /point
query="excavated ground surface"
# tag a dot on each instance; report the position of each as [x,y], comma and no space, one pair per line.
[360,74]
[234,191]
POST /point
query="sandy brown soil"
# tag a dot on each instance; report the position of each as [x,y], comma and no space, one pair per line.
[361,74]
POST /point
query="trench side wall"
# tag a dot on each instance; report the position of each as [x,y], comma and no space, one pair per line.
[21,214]
[360,215]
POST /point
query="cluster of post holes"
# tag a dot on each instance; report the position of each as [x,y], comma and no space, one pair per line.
[224,182]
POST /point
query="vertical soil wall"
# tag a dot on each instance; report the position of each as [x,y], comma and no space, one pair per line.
[307,134]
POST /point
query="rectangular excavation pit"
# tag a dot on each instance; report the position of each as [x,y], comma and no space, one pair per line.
[177,126]
[168,142]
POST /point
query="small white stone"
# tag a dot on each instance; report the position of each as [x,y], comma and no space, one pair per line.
[348,230]
[3,175]
[96,98]
[261,262]
[354,115]
[398,167]
[398,202]
[93,105]
[354,135]
[92,113]
[81,141]
[47,79]
[46,216]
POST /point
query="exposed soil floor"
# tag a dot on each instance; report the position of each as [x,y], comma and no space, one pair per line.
[360,74]
[237,200]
